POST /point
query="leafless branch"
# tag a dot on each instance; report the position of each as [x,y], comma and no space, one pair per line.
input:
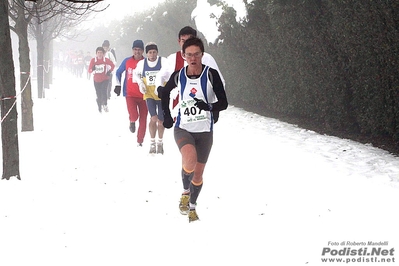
[74,1]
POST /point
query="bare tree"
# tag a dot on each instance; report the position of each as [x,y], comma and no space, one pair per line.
[9,130]
[18,11]
[75,1]
[19,21]
[52,19]
[21,13]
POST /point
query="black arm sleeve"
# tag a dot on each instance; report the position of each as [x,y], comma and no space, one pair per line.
[218,88]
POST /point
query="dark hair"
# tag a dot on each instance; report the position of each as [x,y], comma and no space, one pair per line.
[193,41]
[106,43]
[151,46]
[100,49]
[187,30]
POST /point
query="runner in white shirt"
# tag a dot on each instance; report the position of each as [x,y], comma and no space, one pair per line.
[144,75]
[176,61]
[201,95]
[108,54]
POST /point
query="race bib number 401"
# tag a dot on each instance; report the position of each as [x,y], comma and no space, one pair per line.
[189,113]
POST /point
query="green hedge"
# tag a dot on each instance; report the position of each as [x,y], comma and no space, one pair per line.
[333,62]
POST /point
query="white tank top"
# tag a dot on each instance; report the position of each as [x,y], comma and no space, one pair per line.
[190,117]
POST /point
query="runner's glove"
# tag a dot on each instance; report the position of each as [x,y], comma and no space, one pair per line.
[203,105]
[159,92]
[117,90]
[215,116]
[109,73]
[167,120]
[142,88]
[93,68]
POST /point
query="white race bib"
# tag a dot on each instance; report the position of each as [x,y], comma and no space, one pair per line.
[99,69]
[150,77]
[189,113]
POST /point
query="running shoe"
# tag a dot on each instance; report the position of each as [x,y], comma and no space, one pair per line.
[105,107]
[192,216]
[153,149]
[184,204]
[160,147]
[132,127]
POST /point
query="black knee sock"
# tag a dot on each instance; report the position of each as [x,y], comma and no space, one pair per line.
[194,192]
[187,177]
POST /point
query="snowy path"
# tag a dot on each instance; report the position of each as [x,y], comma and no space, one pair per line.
[89,196]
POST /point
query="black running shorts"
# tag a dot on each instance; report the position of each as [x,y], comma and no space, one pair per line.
[202,142]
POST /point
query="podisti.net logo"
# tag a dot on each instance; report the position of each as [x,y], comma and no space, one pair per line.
[358,252]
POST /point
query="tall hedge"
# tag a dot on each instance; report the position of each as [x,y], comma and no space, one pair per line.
[332,62]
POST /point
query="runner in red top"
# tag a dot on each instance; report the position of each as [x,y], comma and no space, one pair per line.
[102,68]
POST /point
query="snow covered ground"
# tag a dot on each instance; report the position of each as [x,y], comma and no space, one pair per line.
[274,193]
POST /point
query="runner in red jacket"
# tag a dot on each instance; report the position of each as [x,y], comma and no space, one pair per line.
[136,105]
[102,68]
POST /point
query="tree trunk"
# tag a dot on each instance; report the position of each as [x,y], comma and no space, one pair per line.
[9,125]
[48,65]
[40,62]
[21,29]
